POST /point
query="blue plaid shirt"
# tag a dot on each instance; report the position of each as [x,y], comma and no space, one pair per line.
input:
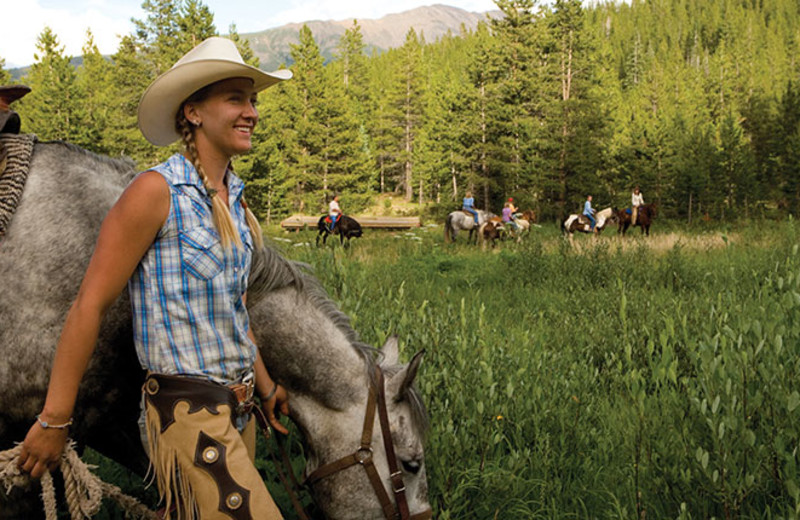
[186,293]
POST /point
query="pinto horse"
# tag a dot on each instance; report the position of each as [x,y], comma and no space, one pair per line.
[647,213]
[345,227]
[580,223]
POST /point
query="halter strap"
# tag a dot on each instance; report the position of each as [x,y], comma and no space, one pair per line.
[363,455]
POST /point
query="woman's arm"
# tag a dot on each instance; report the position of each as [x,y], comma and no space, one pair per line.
[278,399]
[127,232]
[264,388]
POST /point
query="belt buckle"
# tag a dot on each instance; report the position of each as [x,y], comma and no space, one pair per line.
[248,382]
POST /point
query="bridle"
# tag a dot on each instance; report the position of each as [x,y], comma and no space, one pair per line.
[363,456]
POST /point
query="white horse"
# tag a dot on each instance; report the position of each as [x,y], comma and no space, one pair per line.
[462,221]
[580,223]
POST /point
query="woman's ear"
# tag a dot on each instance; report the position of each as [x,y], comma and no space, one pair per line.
[191,114]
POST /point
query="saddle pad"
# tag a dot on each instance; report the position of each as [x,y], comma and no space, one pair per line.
[18,151]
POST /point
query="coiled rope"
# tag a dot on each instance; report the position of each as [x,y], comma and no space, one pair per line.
[83,489]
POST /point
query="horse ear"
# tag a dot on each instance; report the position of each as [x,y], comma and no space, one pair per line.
[397,387]
[390,351]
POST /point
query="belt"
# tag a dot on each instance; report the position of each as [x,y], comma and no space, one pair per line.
[164,391]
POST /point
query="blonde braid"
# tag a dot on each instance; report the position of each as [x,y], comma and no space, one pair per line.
[250,218]
[252,223]
[219,209]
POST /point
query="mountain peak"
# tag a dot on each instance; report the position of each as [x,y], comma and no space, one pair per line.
[272,46]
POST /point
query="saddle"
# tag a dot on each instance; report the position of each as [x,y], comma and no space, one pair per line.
[465,212]
[16,152]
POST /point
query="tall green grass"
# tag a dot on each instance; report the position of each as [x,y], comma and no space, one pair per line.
[599,380]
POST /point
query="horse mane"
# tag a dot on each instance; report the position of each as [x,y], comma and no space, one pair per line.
[125,166]
[270,272]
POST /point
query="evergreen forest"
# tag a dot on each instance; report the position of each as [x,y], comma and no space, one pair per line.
[697,102]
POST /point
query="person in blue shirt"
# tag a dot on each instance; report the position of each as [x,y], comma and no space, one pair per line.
[589,212]
[469,205]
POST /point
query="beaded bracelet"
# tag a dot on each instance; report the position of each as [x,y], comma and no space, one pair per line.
[46,425]
[269,396]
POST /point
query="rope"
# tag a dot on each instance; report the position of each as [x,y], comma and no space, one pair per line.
[83,489]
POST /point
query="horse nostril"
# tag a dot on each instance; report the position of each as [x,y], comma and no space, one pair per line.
[411,466]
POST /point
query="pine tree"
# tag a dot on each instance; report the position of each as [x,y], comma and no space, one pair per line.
[195,24]
[353,65]
[51,110]
[412,92]
[383,125]
[94,84]
[130,76]
[243,46]
[311,183]
[158,35]
[514,100]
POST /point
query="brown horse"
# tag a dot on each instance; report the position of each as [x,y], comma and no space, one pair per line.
[529,215]
[647,213]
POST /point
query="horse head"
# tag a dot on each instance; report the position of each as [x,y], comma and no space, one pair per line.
[354,457]
[389,449]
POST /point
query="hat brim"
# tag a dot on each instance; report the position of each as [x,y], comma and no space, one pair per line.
[161,100]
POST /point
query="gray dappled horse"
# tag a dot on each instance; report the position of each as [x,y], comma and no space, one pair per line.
[306,342]
[462,221]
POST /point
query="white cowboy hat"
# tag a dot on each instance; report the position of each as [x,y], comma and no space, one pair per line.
[212,60]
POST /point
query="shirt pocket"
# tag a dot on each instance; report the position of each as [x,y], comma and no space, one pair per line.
[201,253]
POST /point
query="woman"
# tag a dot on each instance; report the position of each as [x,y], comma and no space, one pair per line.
[181,237]
[509,213]
[334,211]
[637,199]
[468,205]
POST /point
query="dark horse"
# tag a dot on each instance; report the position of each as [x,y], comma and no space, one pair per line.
[647,213]
[345,227]
[303,337]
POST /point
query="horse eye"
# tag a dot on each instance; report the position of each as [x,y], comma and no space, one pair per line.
[411,466]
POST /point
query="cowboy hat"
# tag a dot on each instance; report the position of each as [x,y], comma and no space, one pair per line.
[213,60]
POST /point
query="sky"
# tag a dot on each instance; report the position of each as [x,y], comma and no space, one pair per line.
[110,19]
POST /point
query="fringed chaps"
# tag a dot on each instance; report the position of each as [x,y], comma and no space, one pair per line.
[199,460]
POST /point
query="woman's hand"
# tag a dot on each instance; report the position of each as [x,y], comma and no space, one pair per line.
[41,450]
[277,404]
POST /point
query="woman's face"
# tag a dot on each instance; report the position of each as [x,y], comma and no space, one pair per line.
[228,116]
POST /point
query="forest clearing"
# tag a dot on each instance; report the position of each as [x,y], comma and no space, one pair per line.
[593,377]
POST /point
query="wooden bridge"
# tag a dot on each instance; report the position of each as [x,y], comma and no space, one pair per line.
[299,222]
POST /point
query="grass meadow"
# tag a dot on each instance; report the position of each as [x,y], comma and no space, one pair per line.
[645,378]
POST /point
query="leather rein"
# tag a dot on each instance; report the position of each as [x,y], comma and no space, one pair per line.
[364,456]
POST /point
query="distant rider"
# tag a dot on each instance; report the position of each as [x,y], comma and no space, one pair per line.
[637,199]
[469,206]
[589,212]
[334,211]
[509,211]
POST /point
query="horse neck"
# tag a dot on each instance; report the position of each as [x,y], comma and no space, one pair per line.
[309,353]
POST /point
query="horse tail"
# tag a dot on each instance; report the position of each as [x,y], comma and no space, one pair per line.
[448,229]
